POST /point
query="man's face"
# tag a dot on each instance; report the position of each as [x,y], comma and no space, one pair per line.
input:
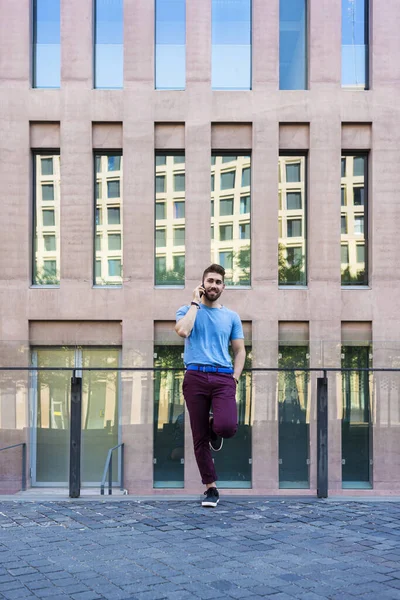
[214,286]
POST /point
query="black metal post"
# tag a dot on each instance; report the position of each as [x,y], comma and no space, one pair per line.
[110,477]
[122,468]
[75,438]
[322,437]
[23,486]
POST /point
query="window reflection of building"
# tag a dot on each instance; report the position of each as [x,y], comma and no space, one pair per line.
[46,267]
[108,219]
[230,216]
[353,213]
[292,220]
[170,219]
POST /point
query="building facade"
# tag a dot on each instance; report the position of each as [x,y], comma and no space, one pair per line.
[142,140]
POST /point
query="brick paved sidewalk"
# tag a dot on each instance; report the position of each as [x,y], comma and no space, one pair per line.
[245,548]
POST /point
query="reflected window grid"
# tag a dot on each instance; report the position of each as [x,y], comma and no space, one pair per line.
[230,216]
[108,259]
[170,198]
[108,44]
[46,221]
[354,213]
[46,44]
[292,267]
[170,44]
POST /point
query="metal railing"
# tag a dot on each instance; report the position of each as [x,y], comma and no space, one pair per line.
[23,476]
[108,467]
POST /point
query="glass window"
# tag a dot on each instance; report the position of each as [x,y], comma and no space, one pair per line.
[114,163]
[169,418]
[294,417]
[46,221]
[226,260]
[292,267]
[228,180]
[343,163]
[47,166]
[212,182]
[246,177]
[293,44]
[244,205]
[109,44]
[179,182]
[213,160]
[294,228]
[244,231]
[179,210]
[355,272]
[343,196]
[113,189]
[98,190]
[160,211]
[48,192]
[231,45]
[343,224]
[46,44]
[108,255]
[293,200]
[225,232]
[160,184]
[99,219]
[161,160]
[358,196]
[226,207]
[344,254]
[292,172]
[170,35]
[113,216]
[169,267]
[161,238]
[355,41]
[356,418]
[49,243]
[114,268]
[179,236]
[236,231]
[114,241]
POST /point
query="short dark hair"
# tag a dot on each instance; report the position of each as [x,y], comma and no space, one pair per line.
[215,269]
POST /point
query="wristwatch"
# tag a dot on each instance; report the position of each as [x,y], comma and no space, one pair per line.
[195,304]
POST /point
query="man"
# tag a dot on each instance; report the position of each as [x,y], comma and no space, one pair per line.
[210,380]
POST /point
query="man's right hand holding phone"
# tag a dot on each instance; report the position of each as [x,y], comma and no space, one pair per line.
[198,293]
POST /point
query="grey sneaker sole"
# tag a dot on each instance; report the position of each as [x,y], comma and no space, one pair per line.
[210,503]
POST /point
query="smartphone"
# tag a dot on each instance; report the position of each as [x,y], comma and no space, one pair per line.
[202,293]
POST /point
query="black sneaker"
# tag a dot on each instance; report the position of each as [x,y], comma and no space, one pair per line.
[211,497]
[216,441]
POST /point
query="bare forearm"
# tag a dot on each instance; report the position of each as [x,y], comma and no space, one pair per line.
[238,362]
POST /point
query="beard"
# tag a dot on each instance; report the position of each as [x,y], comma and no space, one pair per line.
[213,296]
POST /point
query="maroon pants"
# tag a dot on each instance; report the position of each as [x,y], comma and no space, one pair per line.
[203,391]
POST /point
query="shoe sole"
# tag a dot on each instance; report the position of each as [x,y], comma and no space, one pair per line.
[209,504]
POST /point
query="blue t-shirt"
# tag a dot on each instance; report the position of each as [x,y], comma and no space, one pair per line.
[209,339]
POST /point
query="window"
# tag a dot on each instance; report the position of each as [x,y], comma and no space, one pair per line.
[161,239]
[231,236]
[293,200]
[48,192]
[246,177]
[244,205]
[293,44]
[179,182]
[294,228]
[98,190]
[108,44]
[179,236]
[226,260]
[355,44]
[170,36]
[343,224]
[46,220]
[108,254]
[343,200]
[244,231]
[179,210]
[231,45]
[344,254]
[226,207]
[169,266]
[113,189]
[354,271]
[225,232]
[212,182]
[114,163]
[343,163]
[293,173]
[46,44]
[292,267]
[160,184]
[228,180]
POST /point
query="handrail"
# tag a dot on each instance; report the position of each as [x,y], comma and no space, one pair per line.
[108,467]
[23,444]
